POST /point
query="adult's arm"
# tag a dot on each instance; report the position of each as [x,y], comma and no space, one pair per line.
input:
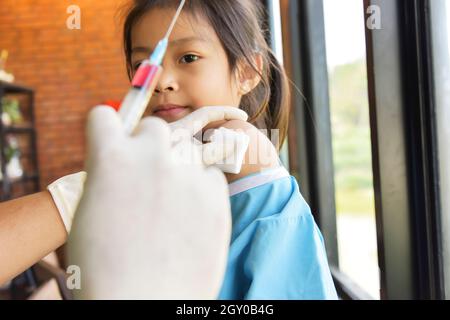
[30,228]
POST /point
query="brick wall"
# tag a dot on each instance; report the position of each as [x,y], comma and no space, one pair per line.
[70,70]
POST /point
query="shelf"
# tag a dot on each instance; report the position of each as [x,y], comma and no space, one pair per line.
[14,88]
[23,179]
[27,177]
[18,129]
[28,183]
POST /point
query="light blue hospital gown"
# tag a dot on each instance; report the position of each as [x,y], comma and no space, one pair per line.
[277,250]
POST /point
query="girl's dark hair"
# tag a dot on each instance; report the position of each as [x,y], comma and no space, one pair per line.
[239,25]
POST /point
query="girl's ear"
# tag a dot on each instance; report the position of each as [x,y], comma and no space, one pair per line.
[248,77]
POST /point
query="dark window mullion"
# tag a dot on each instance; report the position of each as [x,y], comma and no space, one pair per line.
[404,151]
[422,148]
[311,76]
[389,153]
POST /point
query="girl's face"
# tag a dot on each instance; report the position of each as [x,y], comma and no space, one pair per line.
[196,72]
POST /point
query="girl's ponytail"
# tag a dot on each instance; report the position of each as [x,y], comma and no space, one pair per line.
[279,103]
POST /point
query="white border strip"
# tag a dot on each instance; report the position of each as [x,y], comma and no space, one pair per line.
[257,180]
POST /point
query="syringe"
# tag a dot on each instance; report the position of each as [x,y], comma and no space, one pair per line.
[144,82]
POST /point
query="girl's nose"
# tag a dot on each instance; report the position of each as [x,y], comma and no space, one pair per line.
[166,83]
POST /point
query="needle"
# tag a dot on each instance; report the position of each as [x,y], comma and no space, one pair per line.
[175,18]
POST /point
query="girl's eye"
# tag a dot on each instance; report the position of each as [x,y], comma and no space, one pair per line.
[189,58]
[137,65]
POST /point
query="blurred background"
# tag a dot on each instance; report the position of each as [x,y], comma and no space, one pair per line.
[69,71]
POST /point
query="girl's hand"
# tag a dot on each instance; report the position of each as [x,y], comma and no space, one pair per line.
[204,117]
[223,148]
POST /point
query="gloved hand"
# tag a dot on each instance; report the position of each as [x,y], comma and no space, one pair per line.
[66,193]
[145,228]
[225,149]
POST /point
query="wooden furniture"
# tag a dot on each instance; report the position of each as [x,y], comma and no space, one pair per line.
[25,134]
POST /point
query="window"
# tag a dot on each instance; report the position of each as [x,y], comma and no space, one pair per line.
[365,138]
[351,140]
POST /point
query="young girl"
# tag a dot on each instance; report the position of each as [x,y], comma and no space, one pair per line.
[218,56]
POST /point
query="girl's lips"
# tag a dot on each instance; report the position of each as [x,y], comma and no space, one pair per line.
[169,110]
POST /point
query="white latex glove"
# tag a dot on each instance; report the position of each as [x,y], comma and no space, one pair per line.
[145,228]
[66,193]
[225,149]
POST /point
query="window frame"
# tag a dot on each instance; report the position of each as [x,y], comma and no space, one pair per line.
[441,55]
[275,39]
[409,64]
[424,168]
[313,169]
[404,144]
